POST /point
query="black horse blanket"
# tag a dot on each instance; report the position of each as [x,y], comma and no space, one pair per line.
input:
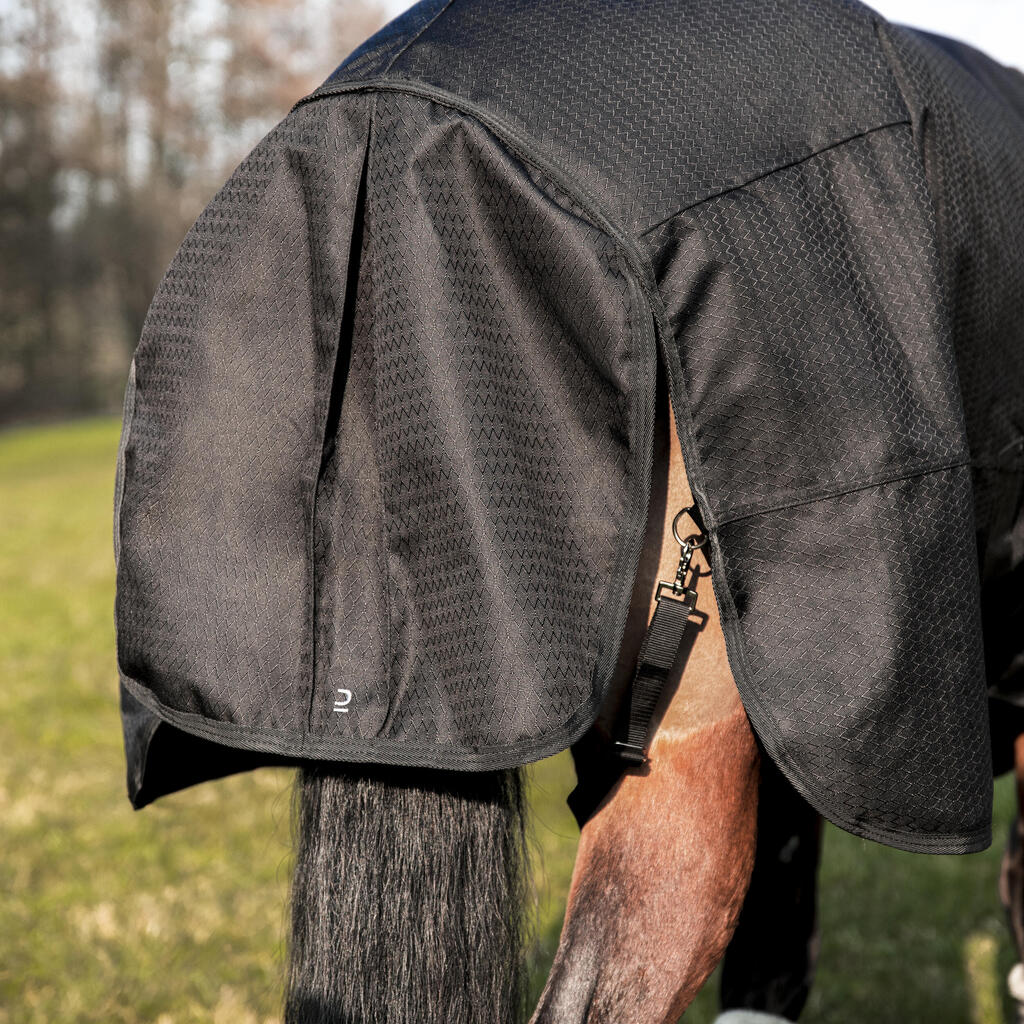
[387,441]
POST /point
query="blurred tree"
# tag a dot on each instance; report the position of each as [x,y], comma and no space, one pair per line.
[118,120]
[29,169]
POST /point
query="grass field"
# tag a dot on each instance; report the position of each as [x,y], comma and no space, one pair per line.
[175,913]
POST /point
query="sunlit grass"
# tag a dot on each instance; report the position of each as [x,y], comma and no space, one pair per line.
[176,914]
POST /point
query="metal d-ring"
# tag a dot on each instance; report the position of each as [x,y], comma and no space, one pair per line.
[693,540]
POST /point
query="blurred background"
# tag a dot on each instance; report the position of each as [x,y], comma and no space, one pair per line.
[118,121]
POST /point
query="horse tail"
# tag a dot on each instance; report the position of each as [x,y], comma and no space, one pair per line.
[409,897]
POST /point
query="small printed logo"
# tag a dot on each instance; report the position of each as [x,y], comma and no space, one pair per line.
[342,701]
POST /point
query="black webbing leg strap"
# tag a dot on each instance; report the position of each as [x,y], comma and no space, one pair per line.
[599,764]
[657,655]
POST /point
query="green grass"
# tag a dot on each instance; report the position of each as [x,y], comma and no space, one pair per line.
[175,914]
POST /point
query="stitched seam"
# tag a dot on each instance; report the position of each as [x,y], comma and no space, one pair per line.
[823,494]
[291,743]
[415,36]
[518,141]
[643,411]
[347,303]
[774,170]
[379,445]
[380,750]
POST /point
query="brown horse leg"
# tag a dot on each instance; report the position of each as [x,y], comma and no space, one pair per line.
[775,977]
[663,864]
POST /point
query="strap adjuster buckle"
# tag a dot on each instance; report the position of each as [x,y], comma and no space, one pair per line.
[685,595]
[632,753]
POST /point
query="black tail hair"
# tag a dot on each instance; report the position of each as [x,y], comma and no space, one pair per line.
[409,897]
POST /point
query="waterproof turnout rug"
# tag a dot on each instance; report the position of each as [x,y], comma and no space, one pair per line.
[386,456]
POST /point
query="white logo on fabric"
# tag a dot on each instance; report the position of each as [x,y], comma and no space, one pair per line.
[342,701]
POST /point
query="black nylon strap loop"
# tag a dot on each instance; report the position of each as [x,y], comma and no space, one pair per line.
[600,763]
[658,653]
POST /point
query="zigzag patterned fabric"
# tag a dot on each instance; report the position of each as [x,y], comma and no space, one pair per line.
[387,445]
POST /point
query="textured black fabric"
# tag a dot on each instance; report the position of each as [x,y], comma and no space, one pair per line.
[656,105]
[387,447]
[811,331]
[464,357]
[970,112]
